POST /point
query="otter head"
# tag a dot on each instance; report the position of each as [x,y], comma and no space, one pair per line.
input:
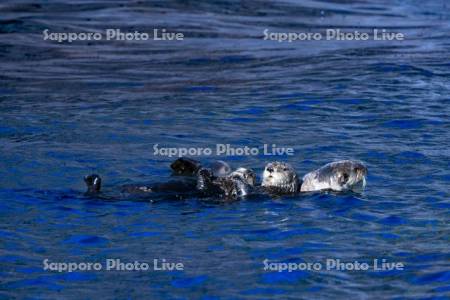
[246,175]
[185,166]
[281,176]
[348,175]
[93,183]
[230,189]
[220,168]
[244,181]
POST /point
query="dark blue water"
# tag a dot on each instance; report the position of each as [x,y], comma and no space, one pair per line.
[69,109]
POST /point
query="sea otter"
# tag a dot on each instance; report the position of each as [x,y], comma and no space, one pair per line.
[280,178]
[185,185]
[343,175]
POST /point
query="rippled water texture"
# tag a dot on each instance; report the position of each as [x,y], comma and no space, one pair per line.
[69,109]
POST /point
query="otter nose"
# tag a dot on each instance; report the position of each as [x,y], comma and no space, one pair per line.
[270,169]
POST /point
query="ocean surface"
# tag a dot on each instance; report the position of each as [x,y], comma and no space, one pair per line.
[71,109]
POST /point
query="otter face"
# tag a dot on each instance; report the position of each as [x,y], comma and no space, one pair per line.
[246,175]
[230,189]
[350,175]
[338,176]
[280,175]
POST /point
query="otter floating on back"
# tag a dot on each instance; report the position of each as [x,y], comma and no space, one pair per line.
[216,180]
[343,175]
